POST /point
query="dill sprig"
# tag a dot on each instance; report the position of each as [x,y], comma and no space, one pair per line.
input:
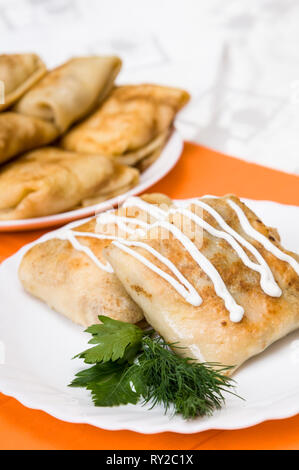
[131,364]
[192,389]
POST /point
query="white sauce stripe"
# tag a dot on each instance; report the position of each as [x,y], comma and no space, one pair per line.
[267,244]
[112,218]
[268,283]
[106,218]
[71,237]
[153,210]
[236,311]
[185,289]
[68,234]
[122,222]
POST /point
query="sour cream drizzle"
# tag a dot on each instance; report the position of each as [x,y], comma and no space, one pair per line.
[236,311]
[122,222]
[185,289]
[179,282]
[155,212]
[268,283]
[267,244]
[70,236]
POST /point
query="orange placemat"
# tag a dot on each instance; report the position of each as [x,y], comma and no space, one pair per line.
[200,171]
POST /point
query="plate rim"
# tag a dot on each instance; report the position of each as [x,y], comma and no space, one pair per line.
[178,427]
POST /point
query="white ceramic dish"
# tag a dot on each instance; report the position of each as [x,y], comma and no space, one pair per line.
[39,344]
[167,160]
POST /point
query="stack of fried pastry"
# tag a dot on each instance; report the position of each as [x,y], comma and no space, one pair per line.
[121,131]
[206,273]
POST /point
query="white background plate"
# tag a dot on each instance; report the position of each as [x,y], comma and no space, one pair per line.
[39,345]
[167,160]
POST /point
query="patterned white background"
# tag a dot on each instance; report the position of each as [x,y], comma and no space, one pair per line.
[239,59]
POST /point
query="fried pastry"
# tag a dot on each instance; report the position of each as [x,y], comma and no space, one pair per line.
[133,122]
[71,91]
[51,180]
[19,72]
[70,273]
[219,284]
[124,178]
[19,133]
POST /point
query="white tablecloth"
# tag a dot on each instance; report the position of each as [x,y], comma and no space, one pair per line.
[239,60]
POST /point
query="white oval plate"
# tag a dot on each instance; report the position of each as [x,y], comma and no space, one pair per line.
[167,160]
[39,344]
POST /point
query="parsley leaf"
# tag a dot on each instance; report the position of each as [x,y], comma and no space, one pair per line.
[110,384]
[94,374]
[115,340]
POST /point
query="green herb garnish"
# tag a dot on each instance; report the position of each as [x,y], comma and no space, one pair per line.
[115,340]
[132,364]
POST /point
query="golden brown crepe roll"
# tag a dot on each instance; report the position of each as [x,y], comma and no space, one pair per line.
[225,294]
[146,162]
[71,91]
[19,133]
[51,180]
[130,125]
[123,179]
[71,282]
[148,151]
[73,285]
[19,72]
